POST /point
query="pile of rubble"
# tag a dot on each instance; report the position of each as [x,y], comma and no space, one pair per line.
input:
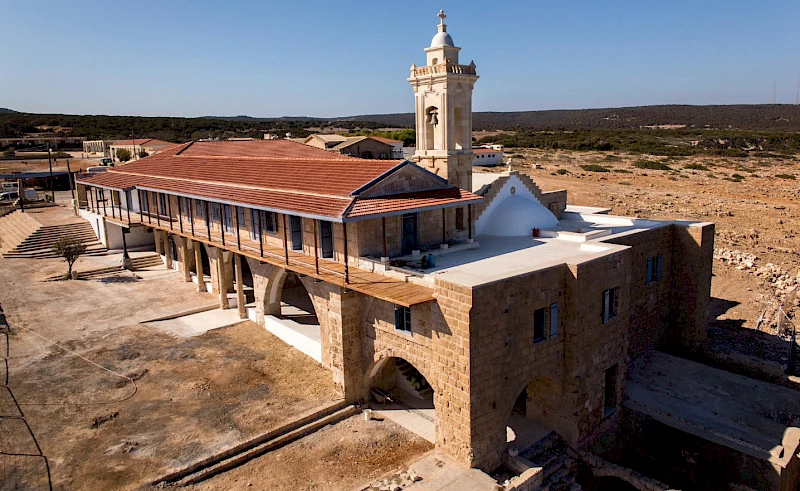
[395,482]
[784,284]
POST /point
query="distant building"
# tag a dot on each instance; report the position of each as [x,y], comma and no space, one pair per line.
[97,148]
[364,147]
[136,146]
[487,156]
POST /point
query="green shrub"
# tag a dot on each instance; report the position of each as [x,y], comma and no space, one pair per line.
[622,171]
[565,171]
[737,176]
[648,164]
[594,168]
[785,176]
[696,167]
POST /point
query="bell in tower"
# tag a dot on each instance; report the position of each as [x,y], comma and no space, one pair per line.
[443,107]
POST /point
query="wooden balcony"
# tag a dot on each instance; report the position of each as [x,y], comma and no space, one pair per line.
[372,284]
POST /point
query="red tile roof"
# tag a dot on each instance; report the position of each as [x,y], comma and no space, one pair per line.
[398,203]
[278,175]
[385,140]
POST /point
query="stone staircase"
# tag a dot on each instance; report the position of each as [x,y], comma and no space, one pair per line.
[137,263]
[24,237]
[552,455]
[415,380]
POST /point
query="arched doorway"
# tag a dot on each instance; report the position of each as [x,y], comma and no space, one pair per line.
[530,414]
[401,393]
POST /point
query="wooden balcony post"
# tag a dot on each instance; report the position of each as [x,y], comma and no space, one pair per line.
[383,228]
[180,214]
[444,226]
[158,209]
[261,233]
[316,252]
[128,205]
[169,210]
[285,240]
[208,222]
[189,208]
[469,219]
[237,224]
[222,222]
[346,260]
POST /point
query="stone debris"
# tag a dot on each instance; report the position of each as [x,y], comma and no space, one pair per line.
[395,482]
[784,284]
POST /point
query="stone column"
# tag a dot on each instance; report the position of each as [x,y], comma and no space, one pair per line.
[198,265]
[240,287]
[186,254]
[159,244]
[167,251]
[222,290]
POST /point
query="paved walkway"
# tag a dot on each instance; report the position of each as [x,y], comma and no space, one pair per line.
[199,323]
[441,473]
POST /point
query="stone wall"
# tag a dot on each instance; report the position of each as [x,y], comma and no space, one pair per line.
[591,346]
[693,252]
[650,306]
[505,359]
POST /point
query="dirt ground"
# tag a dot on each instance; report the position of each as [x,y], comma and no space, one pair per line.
[194,396]
[347,455]
[759,214]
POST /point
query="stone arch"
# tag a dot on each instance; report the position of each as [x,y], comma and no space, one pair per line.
[541,396]
[380,360]
[267,286]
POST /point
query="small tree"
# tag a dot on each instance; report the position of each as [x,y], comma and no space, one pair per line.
[70,249]
[123,154]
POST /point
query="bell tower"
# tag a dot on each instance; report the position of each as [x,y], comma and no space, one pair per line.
[443,107]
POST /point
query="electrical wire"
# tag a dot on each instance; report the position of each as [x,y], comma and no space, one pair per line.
[64,403]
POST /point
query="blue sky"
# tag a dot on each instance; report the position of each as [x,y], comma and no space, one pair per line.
[326,58]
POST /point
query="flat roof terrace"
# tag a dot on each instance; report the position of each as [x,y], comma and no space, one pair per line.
[578,237]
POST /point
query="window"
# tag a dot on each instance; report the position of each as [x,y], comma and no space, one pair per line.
[553,320]
[255,223]
[402,319]
[460,218]
[296,224]
[162,204]
[199,209]
[145,202]
[538,325]
[227,213]
[215,212]
[610,393]
[610,304]
[653,269]
[270,222]
[183,206]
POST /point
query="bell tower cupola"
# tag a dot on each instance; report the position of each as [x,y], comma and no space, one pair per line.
[443,107]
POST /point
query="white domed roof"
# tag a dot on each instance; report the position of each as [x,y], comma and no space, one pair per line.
[441,39]
[517,216]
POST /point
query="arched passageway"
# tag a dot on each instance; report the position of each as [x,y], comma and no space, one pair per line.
[400,392]
[296,304]
[289,313]
[527,421]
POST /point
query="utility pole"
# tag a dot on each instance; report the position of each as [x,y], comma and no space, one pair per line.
[774,84]
[797,98]
[50,164]
[71,181]
[21,195]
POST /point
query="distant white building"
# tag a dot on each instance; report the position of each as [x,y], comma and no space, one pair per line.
[488,156]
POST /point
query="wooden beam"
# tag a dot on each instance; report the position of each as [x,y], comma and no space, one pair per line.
[346,261]
[469,219]
[237,224]
[261,233]
[444,226]
[285,240]
[316,252]
[383,228]
[222,222]
[141,213]
[158,209]
[128,205]
[189,207]
[208,221]
[169,209]
[180,214]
